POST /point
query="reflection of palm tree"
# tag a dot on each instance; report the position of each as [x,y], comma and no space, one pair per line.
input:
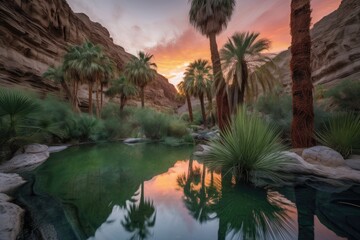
[254,213]
[199,201]
[140,218]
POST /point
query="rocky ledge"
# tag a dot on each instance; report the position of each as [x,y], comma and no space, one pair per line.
[26,159]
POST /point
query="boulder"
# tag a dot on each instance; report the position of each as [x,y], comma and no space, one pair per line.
[35,148]
[323,156]
[10,181]
[353,163]
[134,140]
[55,149]
[298,165]
[24,162]
[11,217]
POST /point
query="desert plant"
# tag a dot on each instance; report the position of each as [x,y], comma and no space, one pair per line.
[249,145]
[346,95]
[16,109]
[342,133]
[153,124]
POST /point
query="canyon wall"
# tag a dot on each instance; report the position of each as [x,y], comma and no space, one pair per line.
[35,34]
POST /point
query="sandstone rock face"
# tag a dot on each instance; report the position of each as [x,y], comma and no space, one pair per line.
[335,48]
[35,35]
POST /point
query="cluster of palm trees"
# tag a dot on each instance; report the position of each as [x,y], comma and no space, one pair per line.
[245,65]
[198,82]
[88,64]
[242,59]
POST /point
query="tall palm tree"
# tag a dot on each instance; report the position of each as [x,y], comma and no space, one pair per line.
[183,90]
[197,76]
[122,87]
[243,59]
[108,65]
[302,128]
[210,17]
[72,71]
[140,70]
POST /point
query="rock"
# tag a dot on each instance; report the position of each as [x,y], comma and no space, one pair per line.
[10,181]
[11,217]
[298,165]
[24,162]
[335,48]
[201,150]
[134,140]
[353,163]
[36,34]
[323,155]
[35,148]
[54,149]
[4,198]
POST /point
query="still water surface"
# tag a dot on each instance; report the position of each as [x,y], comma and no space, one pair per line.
[151,191]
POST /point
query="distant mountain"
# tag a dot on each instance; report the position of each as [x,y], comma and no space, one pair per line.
[335,48]
[35,35]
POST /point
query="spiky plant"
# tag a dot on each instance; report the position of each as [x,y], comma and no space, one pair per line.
[342,133]
[247,147]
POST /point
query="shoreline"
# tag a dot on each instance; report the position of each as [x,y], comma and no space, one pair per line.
[28,158]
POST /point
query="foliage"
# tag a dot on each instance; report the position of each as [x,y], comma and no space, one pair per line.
[211,16]
[342,133]
[16,110]
[140,71]
[247,146]
[246,67]
[277,110]
[122,87]
[346,95]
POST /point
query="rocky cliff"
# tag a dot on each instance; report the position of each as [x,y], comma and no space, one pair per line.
[35,34]
[335,48]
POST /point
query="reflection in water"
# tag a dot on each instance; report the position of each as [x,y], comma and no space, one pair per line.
[95,192]
[140,217]
[243,211]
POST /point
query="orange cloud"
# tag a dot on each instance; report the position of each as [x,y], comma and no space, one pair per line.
[273,23]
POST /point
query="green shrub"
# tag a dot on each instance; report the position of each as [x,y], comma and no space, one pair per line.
[248,146]
[346,95]
[16,110]
[342,133]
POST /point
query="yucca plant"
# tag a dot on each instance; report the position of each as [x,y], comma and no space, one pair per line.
[341,133]
[247,147]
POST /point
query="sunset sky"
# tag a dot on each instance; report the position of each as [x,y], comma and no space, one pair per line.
[161,27]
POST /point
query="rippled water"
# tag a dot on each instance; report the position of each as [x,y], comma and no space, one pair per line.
[115,191]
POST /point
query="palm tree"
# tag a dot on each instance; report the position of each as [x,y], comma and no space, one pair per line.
[302,127]
[140,70]
[183,90]
[108,65]
[140,218]
[243,60]
[123,88]
[197,76]
[210,17]
[71,70]
[58,76]
[86,63]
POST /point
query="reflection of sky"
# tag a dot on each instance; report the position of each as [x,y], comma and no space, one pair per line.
[173,220]
[161,26]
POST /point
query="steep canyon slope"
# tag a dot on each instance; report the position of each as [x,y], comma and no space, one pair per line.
[35,35]
[335,48]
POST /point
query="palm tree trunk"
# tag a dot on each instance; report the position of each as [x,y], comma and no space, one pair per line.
[245,75]
[142,97]
[302,127]
[101,95]
[222,105]
[90,97]
[188,100]
[202,105]
[97,99]
[123,99]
